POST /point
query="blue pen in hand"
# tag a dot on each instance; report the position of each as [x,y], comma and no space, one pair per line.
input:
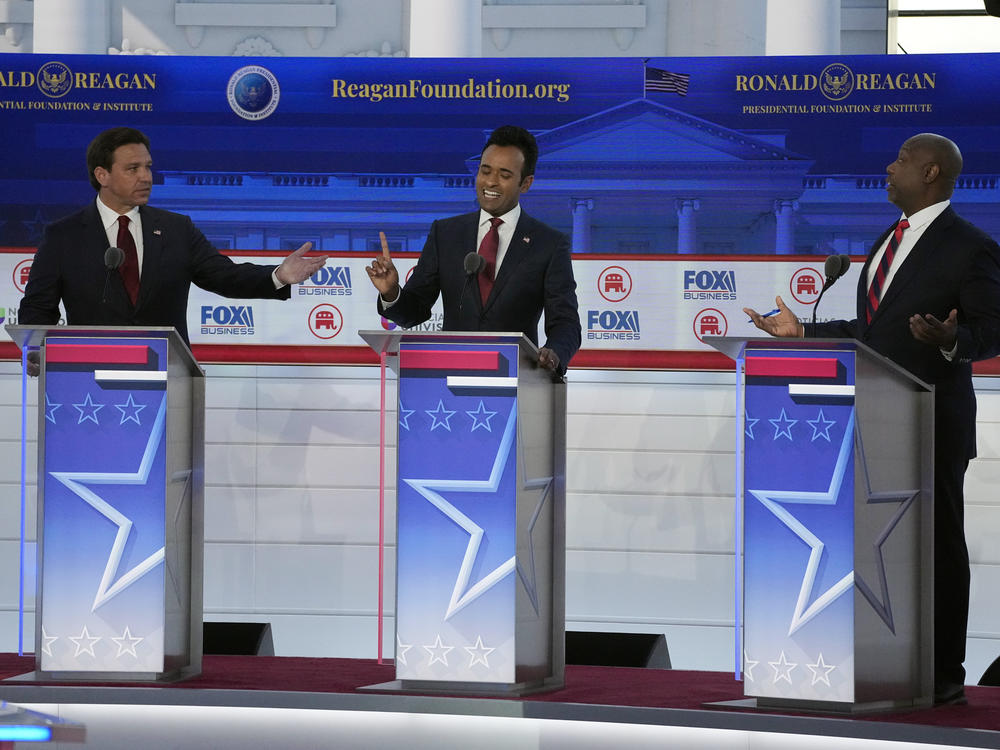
[775,311]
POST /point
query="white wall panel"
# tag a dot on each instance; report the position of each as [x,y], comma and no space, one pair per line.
[230,514]
[650,473]
[319,466]
[316,578]
[649,523]
[654,587]
[318,516]
[229,577]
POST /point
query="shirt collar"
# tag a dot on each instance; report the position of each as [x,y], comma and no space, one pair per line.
[109,217]
[925,216]
[509,219]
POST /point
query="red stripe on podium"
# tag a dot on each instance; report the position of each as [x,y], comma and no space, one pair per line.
[792,367]
[110,354]
[434,359]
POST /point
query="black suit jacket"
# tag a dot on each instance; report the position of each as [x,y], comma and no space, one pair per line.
[69,266]
[954,265]
[536,275]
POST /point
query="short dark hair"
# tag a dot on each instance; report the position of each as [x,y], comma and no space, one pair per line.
[102,149]
[512,135]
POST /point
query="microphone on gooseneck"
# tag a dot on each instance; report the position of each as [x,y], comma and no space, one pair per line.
[474,263]
[113,258]
[834,267]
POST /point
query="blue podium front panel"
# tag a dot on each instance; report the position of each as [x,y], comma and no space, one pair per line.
[799,438]
[456,518]
[102,528]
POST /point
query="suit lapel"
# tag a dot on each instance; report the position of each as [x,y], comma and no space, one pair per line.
[520,245]
[915,260]
[152,252]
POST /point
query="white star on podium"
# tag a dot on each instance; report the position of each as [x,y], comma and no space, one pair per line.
[85,642]
[127,643]
[478,653]
[821,671]
[782,669]
[771,500]
[401,649]
[74,481]
[438,652]
[463,594]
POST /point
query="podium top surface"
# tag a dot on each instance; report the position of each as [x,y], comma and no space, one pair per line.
[735,347]
[388,341]
[29,336]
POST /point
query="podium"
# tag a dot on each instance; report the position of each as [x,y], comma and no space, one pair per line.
[835,492]
[120,503]
[480,489]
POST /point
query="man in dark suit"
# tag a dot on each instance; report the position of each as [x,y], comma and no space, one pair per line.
[526,267]
[934,308]
[164,253]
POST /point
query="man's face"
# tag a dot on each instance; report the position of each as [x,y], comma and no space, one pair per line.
[905,184]
[129,181]
[498,182]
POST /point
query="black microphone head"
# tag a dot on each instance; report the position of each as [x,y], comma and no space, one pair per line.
[474,263]
[831,267]
[113,257]
[845,264]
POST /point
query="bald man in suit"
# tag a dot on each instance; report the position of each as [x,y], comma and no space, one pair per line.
[936,310]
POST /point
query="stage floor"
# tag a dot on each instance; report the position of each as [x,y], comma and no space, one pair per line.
[602,694]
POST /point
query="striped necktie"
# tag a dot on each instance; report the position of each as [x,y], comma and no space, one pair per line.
[882,272]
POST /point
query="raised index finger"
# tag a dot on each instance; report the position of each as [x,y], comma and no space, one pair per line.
[385,245]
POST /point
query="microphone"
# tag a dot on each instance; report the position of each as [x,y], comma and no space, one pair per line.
[113,258]
[474,263]
[834,267]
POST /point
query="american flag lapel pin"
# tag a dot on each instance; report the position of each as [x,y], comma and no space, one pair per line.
[157,232]
[526,239]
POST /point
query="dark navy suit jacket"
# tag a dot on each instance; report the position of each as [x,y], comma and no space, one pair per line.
[954,265]
[536,276]
[69,266]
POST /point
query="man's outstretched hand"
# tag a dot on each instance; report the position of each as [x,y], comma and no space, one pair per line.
[296,268]
[939,333]
[783,323]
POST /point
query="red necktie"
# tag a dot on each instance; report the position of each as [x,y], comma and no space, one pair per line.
[882,272]
[129,269]
[488,249]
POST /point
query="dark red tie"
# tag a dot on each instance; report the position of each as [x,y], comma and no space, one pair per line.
[488,249]
[882,272]
[129,269]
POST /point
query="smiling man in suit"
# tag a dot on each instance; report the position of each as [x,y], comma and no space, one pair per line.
[164,253]
[929,299]
[525,268]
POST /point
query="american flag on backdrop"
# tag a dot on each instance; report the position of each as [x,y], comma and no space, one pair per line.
[664,80]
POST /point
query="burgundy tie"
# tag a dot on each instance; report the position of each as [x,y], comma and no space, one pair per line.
[129,269]
[488,249]
[882,272]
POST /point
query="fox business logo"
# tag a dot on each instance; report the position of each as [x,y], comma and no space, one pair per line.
[716,285]
[328,281]
[613,325]
[227,320]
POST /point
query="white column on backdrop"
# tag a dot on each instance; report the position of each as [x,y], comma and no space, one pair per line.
[802,27]
[71,27]
[446,28]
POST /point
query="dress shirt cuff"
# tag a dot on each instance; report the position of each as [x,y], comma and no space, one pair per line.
[949,354]
[274,279]
[387,305]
